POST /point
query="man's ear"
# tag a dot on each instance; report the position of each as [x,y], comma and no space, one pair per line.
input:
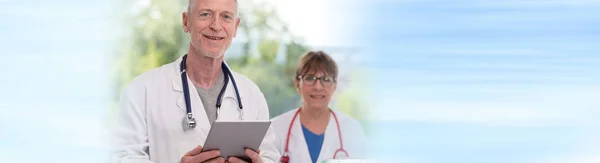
[184,21]
[237,24]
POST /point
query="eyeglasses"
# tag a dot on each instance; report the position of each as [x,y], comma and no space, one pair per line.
[311,80]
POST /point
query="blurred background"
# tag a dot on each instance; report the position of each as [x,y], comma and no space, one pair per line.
[54,77]
[64,64]
[481,81]
[266,49]
[432,81]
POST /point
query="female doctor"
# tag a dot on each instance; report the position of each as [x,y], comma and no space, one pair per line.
[314,132]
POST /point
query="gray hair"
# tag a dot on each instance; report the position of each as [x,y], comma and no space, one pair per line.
[191,3]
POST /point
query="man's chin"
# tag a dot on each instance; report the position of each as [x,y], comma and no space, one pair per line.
[215,54]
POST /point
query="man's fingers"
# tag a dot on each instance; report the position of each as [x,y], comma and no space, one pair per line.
[216,160]
[254,156]
[194,151]
[204,156]
[235,160]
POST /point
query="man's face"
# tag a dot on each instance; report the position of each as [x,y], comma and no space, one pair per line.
[212,24]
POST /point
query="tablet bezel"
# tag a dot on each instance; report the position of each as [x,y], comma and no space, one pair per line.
[224,135]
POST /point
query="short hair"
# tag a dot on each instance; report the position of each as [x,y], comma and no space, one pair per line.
[317,61]
[191,2]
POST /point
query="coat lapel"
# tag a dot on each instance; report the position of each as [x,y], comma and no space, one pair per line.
[330,142]
[230,110]
[196,104]
[299,148]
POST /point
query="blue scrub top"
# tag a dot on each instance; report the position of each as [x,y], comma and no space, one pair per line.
[314,143]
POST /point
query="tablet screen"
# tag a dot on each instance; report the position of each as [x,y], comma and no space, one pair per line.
[232,137]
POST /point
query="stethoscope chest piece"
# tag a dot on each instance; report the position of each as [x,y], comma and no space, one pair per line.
[189,122]
[285,158]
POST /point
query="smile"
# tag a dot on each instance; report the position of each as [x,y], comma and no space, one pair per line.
[317,96]
[213,37]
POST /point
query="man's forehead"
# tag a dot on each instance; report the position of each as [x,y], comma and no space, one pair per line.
[213,3]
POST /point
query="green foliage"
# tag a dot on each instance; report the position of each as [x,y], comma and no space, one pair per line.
[155,37]
[268,50]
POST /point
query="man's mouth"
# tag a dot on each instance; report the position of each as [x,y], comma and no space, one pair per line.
[214,37]
[317,96]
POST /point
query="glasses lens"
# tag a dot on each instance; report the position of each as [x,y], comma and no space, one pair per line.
[309,79]
[326,80]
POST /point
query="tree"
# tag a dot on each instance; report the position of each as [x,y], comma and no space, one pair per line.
[155,37]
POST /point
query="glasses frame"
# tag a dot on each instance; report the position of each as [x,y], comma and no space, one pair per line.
[301,77]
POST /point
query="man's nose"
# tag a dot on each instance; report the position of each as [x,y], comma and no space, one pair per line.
[216,24]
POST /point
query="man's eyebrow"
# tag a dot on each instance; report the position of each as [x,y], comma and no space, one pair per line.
[210,10]
[228,12]
[205,9]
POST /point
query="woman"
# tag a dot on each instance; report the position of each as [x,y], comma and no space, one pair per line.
[313,132]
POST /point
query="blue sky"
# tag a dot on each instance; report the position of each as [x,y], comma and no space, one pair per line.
[485,81]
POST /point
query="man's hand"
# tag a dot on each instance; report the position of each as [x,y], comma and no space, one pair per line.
[196,156]
[254,156]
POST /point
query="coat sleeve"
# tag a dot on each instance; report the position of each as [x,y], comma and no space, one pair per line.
[129,137]
[268,150]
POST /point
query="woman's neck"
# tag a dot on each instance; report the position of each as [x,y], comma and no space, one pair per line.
[314,113]
[315,119]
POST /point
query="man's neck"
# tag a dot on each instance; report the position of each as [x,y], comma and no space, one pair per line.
[203,71]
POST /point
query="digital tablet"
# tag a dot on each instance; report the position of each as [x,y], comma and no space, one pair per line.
[233,137]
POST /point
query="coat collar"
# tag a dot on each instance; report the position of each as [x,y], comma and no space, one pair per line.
[330,142]
[197,106]
[175,69]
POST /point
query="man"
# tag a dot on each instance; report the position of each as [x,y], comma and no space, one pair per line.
[152,123]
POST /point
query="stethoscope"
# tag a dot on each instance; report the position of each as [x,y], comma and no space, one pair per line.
[286,158]
[189,122]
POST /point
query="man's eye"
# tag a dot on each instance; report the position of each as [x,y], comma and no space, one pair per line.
[204,14]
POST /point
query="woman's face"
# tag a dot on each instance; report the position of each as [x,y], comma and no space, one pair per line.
[316,89]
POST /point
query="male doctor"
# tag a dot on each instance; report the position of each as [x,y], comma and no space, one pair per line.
[153,123]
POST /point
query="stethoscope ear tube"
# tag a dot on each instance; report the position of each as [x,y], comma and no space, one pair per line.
[220,96]
[237,93]
[189,122]
[186,93]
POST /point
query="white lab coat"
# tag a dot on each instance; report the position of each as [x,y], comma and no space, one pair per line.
[149,121]
[353,138]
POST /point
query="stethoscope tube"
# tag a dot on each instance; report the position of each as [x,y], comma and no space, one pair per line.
[285,158]
[189,120]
